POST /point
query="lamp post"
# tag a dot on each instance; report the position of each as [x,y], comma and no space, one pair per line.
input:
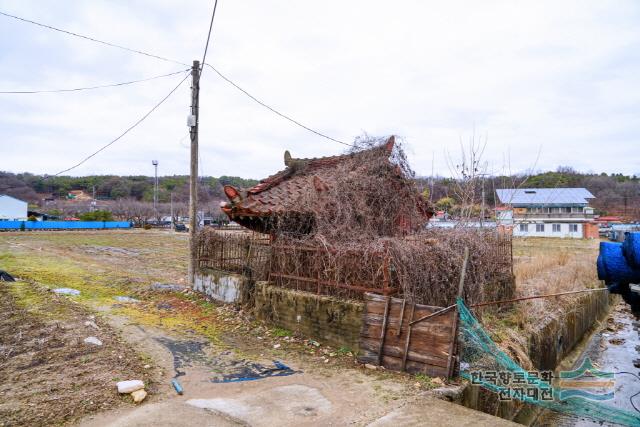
[155,188]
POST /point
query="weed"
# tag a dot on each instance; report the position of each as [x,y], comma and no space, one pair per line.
[280,332]
[344,351]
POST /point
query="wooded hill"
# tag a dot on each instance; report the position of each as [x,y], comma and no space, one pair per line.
[616,194]
[32,187]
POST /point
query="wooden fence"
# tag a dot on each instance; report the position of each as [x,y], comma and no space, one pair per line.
[408,337]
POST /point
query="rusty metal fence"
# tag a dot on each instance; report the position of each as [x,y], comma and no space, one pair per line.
[350,274]
[234,251]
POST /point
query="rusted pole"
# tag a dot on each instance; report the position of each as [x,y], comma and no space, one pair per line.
[385,320]
[482,304]
[437,313]
[454,328]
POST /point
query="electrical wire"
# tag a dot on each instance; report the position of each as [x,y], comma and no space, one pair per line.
[206,46]
[123,133]
[273,110]
[71,33]
[92,87]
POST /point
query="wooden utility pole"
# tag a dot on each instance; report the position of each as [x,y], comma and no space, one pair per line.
[193,177]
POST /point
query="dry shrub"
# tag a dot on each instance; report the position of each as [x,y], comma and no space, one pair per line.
[365,230]
[430,273]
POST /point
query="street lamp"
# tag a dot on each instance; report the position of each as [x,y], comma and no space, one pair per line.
[155,187]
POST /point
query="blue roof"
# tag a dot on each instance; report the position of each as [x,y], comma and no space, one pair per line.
[544,196]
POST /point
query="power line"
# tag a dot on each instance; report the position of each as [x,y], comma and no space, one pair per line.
[71,33]
[125,132]
[91,87]
[273,110]
[206,46]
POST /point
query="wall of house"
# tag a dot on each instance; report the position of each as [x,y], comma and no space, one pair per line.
[12,209]
[328,320]
[548,230]
[591,230]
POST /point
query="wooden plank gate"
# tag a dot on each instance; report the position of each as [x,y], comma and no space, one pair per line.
[402,336]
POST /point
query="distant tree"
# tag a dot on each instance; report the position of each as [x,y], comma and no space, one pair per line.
[98,215]
[445,204]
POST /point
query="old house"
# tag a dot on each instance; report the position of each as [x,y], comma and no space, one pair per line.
[288,200]
[547,212]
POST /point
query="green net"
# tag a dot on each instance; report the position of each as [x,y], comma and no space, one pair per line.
[480,356]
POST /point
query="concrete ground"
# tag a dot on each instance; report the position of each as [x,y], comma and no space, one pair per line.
[310,397]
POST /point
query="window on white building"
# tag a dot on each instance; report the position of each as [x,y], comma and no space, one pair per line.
[524,228]
[573,228]
[555,228]
[539,228]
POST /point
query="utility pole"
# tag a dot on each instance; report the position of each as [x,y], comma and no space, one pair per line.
[193,178]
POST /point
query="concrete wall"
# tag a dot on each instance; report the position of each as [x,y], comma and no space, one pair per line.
[221,285]
[557,337]
[553,341]
[328,320]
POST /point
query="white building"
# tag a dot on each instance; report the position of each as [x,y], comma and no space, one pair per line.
[12,209]
[547,212]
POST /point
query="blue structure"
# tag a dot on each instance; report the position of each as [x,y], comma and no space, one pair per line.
[619,266]
[63,225]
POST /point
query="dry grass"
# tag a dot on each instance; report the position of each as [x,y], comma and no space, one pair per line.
[545,266]
[541,266]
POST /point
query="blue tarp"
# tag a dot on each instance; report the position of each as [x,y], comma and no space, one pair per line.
[631,249]
[615,267]
[63,225]
[618,266]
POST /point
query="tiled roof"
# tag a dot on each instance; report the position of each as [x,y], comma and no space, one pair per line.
[544,196]
[282,191]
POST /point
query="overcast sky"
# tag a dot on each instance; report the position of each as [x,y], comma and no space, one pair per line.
[559,78]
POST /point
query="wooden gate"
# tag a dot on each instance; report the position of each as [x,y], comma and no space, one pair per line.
[408,337]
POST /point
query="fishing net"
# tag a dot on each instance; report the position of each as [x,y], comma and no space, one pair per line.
[483,363]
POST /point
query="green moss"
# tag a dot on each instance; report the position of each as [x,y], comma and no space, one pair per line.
[37,300]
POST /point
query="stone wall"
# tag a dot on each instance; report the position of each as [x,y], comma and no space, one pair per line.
[328,320]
